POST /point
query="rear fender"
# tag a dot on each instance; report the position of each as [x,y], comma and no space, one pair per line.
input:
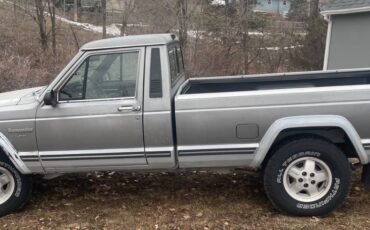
[307,122]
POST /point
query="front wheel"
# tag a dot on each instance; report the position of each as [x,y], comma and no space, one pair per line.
[15,188]
[307,177]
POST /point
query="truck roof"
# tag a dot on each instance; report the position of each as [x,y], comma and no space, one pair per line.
[130,41]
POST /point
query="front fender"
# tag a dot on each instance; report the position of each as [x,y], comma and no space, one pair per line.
[305,122]
[12,155]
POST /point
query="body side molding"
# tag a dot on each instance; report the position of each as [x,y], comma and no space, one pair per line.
[12,154]
[305,122]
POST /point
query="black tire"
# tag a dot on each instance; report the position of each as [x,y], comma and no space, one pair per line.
[22,189]
[307,149]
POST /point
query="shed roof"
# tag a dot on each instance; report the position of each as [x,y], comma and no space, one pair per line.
[130,41]
[346,7]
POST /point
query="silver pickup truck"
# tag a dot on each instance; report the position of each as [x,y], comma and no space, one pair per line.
[125,104]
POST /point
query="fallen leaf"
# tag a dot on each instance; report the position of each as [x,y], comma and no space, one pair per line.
[199,214]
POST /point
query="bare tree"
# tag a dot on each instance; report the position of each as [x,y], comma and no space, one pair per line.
[298,10]
[245,21]
[182,21]
[197,27]
[15,9]
[128,7]
[51,6]
[40,20]
[104,17]
[244,24]
[180,9]
[75,10]
[310,54]
[314,8]
[77,44]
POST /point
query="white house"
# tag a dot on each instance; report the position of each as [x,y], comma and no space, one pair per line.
[281,7]
[266,6]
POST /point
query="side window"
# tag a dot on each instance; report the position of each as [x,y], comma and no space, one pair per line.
[73,90]
[176,63]
[180,61]
[103,76]
[113,73]
[173,64]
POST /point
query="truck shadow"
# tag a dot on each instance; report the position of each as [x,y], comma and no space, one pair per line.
[205,187]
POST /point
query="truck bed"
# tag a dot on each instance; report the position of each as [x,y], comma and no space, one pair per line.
[210,120]
[276,81]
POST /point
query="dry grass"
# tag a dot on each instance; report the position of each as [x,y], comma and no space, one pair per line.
[186,200]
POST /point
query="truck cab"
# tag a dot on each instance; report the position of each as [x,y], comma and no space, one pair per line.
[115,99]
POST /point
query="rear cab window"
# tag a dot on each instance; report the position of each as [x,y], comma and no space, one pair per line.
[176,63]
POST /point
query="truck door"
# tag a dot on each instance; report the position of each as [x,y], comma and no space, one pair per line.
[97,123]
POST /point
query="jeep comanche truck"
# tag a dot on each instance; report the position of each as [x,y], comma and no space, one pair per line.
[125,104]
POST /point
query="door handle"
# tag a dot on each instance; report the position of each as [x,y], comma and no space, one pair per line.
[129,108]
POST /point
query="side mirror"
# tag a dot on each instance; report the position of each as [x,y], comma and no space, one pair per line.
[50,99]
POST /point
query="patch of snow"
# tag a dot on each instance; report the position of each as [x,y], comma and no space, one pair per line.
[218,2]
[256,33]
[279,48]
[140,24]
[112,29]
[196,33]
[200,33]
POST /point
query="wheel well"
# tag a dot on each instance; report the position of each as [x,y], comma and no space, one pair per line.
[334,135]
[4,157]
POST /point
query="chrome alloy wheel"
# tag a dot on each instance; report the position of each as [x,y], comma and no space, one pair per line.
[7,185]
[307,179]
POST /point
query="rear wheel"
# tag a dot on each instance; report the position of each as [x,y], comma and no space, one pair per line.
[307,177]
[15,188]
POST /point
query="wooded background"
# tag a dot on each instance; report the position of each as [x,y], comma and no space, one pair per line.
[223,38]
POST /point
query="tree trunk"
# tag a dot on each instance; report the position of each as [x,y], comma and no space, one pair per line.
[75,38]
[40,19]
[51,4]
[124,25]
[314,8]
[245,35]
[182,20]
[77,44]
[15,9]
[104,14]
[75,10]
[128,7]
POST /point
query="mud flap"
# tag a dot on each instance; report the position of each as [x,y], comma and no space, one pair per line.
[366,175]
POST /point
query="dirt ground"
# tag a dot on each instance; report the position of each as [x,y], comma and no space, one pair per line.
[183,200]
